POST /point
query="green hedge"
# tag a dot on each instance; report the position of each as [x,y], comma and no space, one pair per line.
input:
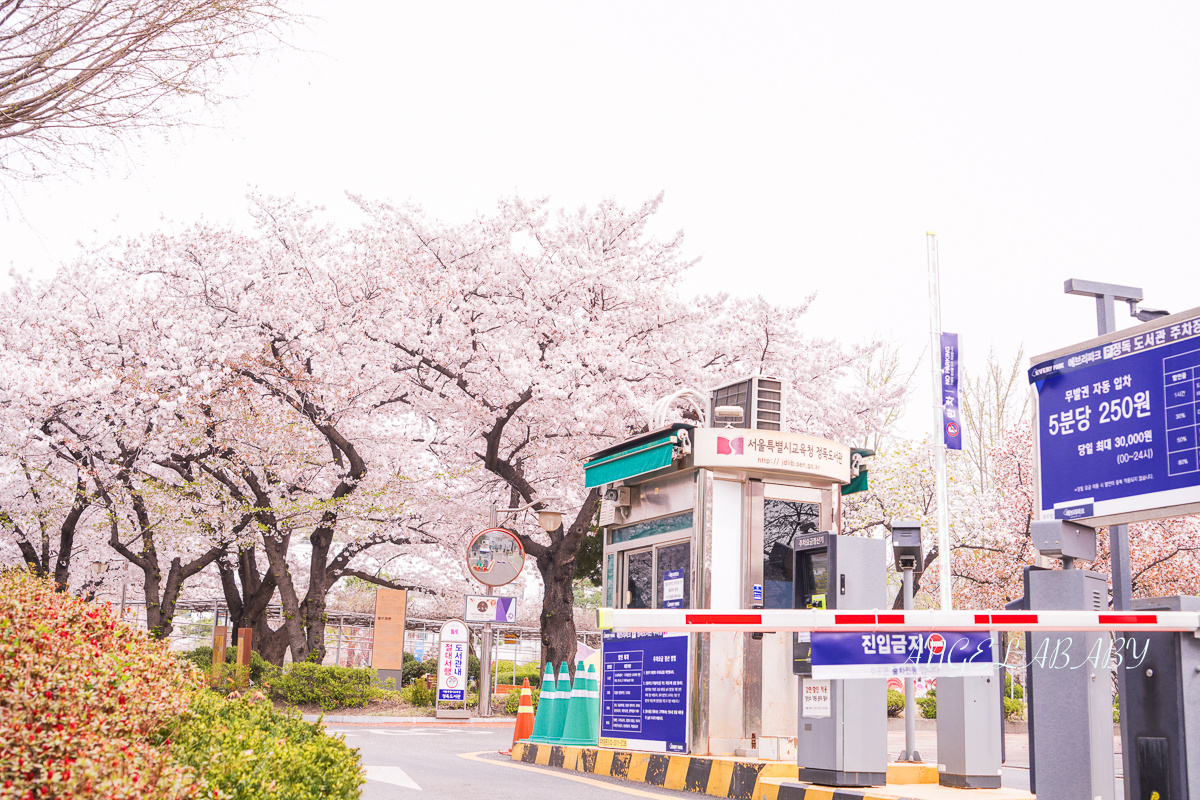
[895,703]
[928,704]
[330,687]
[243,748]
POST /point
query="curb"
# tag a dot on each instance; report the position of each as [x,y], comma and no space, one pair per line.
[352,719]
[719,777]
[740,778]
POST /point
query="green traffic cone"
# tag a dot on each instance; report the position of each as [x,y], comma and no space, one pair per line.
[593,706]
[562,699]
[578,728]
[545,707]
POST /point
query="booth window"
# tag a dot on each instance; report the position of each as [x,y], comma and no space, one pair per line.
[645,574]
[782,521]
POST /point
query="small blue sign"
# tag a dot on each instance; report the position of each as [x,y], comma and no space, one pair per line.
[450,695]
[758,594]
[1117,426]
[644,691]
[901,655]
[673,588]
[951,413]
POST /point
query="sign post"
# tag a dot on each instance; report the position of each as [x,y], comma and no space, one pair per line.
[452,668]
[387,644]
[495,557]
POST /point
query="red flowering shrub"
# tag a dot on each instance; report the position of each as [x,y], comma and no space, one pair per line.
[80,695]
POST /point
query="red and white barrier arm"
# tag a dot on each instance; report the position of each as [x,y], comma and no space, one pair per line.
[701,620]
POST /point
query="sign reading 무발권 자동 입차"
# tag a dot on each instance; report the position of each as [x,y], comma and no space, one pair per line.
[1117,424]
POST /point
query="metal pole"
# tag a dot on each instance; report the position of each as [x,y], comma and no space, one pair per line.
[939,445]
[485,648]
[910,701]
[337,656]
[124,579]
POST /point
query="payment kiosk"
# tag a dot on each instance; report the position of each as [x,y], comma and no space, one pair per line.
[841,740]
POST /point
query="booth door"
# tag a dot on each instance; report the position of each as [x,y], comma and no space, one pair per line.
[658,577]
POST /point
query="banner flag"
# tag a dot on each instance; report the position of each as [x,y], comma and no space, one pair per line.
[951,414]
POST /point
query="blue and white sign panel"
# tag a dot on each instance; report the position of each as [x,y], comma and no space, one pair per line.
[901,655]
[644,692]
[951,414]
[1117,425]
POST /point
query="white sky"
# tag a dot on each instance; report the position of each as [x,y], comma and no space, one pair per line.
[802,147]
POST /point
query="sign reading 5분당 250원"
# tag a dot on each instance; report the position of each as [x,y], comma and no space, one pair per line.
[1117,424]
[644,692]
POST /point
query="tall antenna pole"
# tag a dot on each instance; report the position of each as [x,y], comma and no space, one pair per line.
[938,442]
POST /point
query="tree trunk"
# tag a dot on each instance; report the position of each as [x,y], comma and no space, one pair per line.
[557,567]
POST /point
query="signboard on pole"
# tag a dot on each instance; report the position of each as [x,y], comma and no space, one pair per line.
[387,647]
[644,692]
[902,655]
[1117,425]
[452,661]
[484,608]
[495,557]
[951,414]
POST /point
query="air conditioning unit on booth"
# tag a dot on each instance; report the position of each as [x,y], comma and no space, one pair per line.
[759,396]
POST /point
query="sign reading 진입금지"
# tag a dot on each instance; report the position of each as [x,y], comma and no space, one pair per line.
[902,655]
[1117,424]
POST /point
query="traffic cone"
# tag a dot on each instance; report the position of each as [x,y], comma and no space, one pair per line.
[524,727]
[593,688]
[546,704]
[577,731]
[562,700]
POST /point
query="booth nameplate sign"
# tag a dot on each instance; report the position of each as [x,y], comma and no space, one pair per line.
[774,451]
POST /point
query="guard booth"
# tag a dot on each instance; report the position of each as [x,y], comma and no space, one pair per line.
[704,518]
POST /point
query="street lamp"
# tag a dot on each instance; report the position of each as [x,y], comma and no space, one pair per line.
[549,520]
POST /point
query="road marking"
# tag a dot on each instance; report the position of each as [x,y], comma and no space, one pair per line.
[392,775]
[566,776]
[403,733]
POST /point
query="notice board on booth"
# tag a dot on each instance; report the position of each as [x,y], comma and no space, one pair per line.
[387,649]
[644,692]
[1117,424]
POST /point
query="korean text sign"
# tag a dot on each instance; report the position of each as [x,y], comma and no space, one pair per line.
[901,655]
[644,691]
[1117,425]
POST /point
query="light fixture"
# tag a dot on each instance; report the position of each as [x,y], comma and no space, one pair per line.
[98,567]
[549,520]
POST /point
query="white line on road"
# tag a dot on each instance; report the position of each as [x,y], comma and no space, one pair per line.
[392,775]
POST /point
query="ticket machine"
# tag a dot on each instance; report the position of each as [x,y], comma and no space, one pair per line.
[844,742]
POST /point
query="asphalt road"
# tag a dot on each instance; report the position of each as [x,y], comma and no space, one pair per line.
[462,762]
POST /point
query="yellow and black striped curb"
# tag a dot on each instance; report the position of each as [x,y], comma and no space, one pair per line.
[719,777]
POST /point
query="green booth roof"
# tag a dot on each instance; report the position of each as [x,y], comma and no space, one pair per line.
[638,456]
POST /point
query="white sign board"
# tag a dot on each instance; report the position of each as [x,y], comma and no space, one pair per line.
[483,608]
[452,662]
[771,451]
[816,699]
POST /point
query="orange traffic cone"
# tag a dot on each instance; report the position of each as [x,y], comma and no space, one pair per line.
[524,727]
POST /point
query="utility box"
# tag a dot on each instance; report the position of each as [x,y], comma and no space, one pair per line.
[1070,694]
[1161,723]
[1064,539]
[969,730]
[842,741]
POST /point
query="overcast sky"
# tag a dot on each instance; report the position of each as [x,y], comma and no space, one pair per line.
[802,147]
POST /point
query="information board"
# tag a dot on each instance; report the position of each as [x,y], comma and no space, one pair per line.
[452,661]
[484,608]
[901,655]
[644,692]
[1117,425]
[387,649]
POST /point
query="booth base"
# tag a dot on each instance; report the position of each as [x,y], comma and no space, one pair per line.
[745,779]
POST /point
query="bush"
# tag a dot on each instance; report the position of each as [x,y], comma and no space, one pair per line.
[532,670]
[895,703]
[81,694]
[243,748]
[419,694]
[1011,689]
[1014,710]
[928,704]
[329,687]
[512,700]
[414,669]
[262,672]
